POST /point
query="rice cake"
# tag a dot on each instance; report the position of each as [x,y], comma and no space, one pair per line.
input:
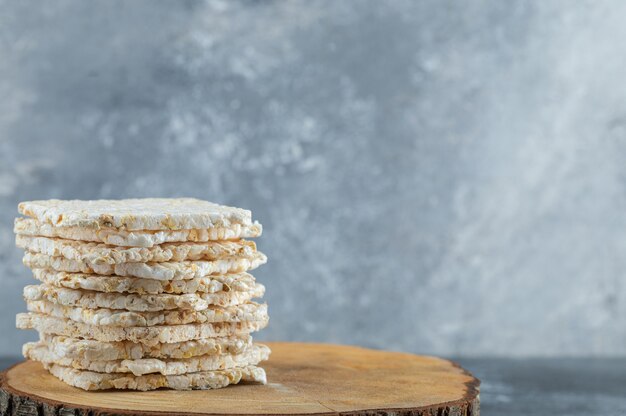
[148,335]
[182,270]
[39,351]
[203,380]
[142,293]
[239,282]
[93,350]
[98,253]
[246,312]
[138,238]
[140,303]
[136,214]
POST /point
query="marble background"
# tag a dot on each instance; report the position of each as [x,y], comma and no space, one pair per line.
[433,176]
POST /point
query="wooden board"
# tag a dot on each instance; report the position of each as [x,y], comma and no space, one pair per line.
[302,379]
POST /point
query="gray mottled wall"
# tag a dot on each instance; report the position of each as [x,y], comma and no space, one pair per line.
[432,176]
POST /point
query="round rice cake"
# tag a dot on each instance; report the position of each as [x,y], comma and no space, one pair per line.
[98,253]
[39,351]
[140,303]
[135,214]
[93,350]
[182,270]
[238,282]
[250,311]
[203,380]
[148,335]
[137,238]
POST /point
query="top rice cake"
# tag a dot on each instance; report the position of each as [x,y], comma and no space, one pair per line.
[136,214]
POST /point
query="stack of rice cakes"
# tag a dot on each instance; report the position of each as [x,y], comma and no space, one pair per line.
[143,293]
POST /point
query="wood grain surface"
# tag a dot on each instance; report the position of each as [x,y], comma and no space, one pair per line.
[302,379]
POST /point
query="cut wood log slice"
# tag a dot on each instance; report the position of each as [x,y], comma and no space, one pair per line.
[303,379]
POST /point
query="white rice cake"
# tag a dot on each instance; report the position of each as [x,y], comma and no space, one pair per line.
[239,282]
[139,238]
[39,351]
[148,335]
[250,311]
[203,380]
[182,270]
[136,214]
[98,253]
[140,303]
[92,350]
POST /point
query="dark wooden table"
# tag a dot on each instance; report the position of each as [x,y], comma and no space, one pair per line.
[552,386]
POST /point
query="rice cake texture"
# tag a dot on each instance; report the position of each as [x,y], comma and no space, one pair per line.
[136,214]
[181,270]
[239,282]
[137,238]
[41,352]
[93,350]
[140,303]
[203,380]
[246,312]
[148,335]
[98,253]
[143,293]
